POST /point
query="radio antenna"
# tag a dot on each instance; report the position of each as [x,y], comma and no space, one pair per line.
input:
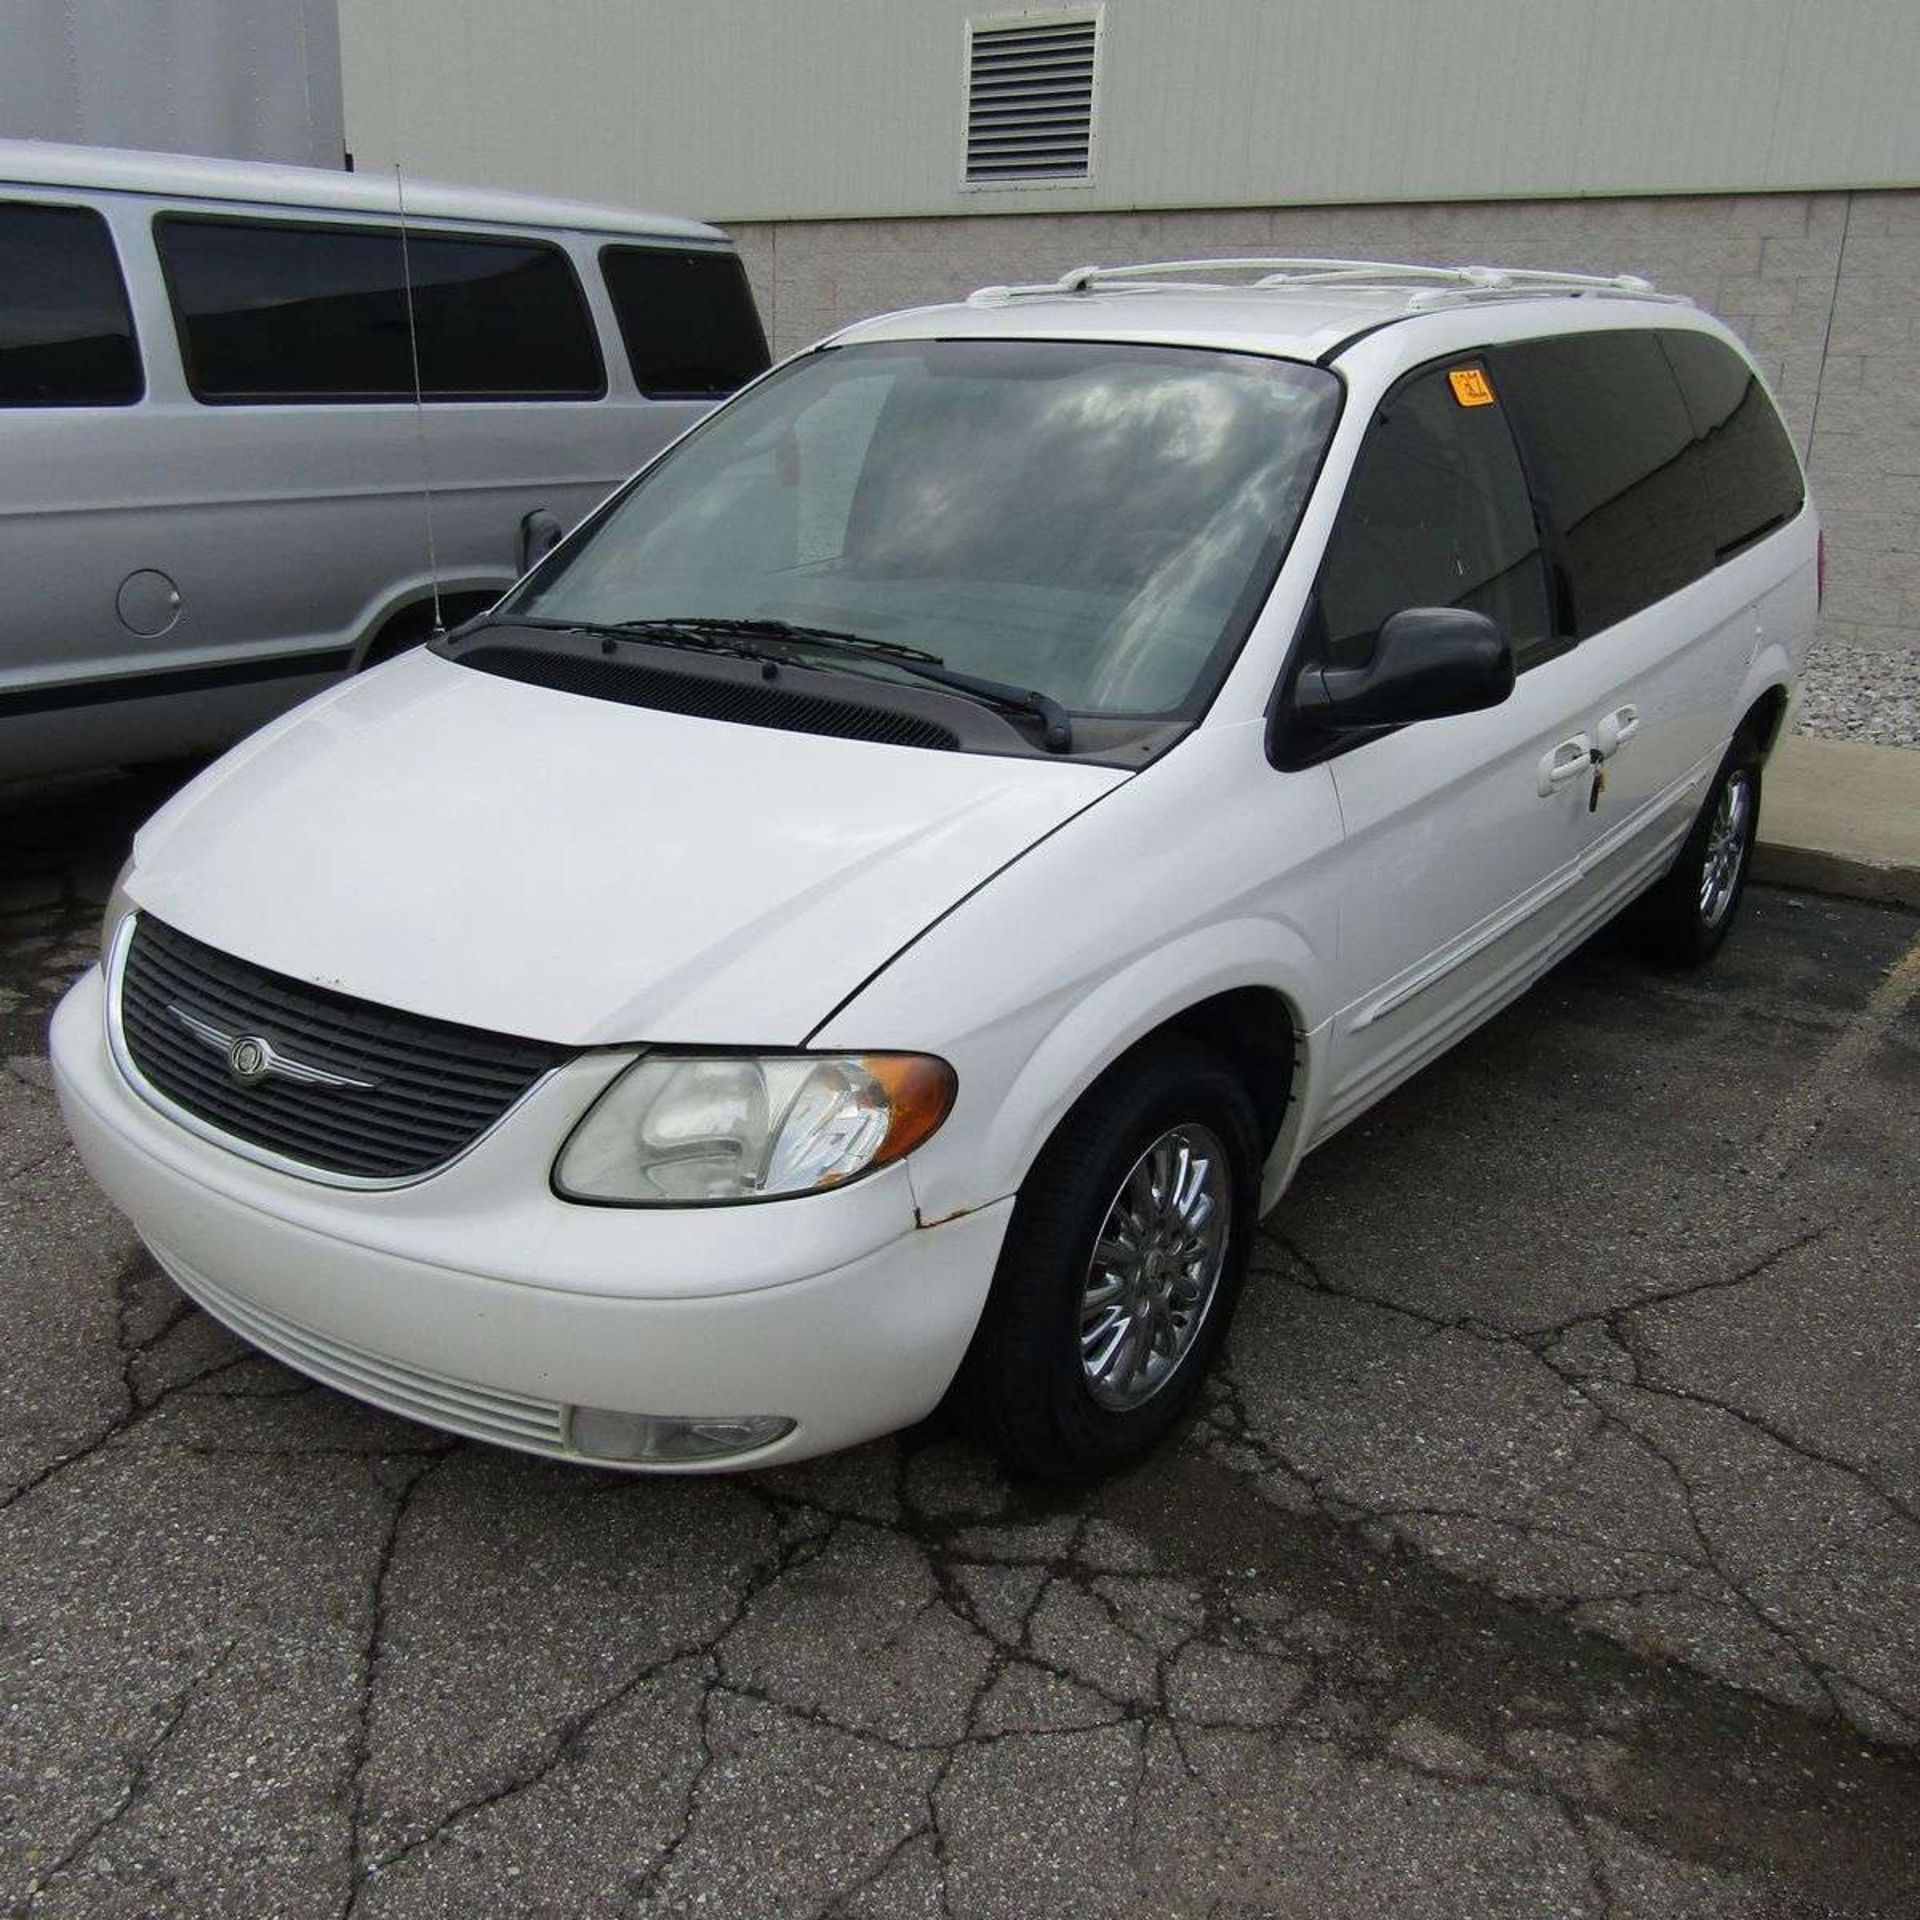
[419,403]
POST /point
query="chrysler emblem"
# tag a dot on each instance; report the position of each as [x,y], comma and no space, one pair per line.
[252,1058]
[248,1060]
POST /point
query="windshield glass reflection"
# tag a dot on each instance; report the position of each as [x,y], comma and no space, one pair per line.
[1093,520]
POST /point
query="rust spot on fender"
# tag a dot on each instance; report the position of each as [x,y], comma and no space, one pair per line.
[922,1223]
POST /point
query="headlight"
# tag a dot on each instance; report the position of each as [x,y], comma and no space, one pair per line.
[692,1129]
[119,905]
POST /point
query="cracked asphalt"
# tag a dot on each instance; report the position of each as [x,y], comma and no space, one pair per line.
[1550,1546]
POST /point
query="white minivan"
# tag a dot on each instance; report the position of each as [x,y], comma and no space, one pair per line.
[879,913]
[264,426]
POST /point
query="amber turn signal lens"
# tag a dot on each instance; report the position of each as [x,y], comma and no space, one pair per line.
[919,1090]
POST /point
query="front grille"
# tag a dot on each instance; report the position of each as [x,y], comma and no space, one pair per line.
[438,1399]
[751,703]
[435,1087]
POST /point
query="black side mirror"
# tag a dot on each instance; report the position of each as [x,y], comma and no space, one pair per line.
[1428,662]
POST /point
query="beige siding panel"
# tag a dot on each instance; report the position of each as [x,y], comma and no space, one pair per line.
[1852,112]
[807,109]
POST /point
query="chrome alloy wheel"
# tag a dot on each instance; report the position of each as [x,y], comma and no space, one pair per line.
[1726,847]
[1156,1267]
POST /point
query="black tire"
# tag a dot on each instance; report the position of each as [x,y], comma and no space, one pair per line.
[1676,924]
[1022,1389]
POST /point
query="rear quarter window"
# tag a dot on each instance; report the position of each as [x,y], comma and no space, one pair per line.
[66,334]
[1741,458]
[687,319]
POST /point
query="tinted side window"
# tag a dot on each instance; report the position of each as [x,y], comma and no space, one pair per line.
[1611,442]
[66,336]
[1741,460]
[270,312]
[1436,515]
[688,320]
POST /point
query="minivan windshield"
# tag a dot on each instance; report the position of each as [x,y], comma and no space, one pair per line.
[1095,521]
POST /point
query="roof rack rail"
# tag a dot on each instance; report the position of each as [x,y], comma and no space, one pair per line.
[1427,285]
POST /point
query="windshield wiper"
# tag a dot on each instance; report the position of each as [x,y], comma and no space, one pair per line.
[698,635]
[1056,722]
[727,634]
[770,629]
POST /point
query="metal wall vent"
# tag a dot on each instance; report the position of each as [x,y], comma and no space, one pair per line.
[1030,98]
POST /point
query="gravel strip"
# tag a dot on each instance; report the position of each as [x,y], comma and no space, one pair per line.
[1853,693]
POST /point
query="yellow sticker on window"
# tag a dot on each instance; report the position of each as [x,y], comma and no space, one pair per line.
[1470,387]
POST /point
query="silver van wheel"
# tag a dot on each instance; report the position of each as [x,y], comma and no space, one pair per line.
[1146,1194]
[1682,919]
[1726,847]
[1156,1267]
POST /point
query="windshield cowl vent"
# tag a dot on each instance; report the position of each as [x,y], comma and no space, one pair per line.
[703,696]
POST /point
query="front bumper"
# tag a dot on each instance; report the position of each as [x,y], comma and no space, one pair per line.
[478,1302]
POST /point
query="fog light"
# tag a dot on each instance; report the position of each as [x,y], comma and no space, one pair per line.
[608,1434]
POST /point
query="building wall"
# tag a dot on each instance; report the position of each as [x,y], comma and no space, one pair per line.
[785,109]
[1824,286]
[241,79]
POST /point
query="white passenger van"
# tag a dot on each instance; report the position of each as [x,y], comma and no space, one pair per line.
[883,909]
[216,494]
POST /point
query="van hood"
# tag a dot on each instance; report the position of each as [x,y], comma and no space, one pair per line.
[539,863]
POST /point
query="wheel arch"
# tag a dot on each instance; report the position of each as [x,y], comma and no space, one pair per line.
[1257,1025]
[1765,716]
[1229,986]
[1257,1030]
[405,617]
[1766,697]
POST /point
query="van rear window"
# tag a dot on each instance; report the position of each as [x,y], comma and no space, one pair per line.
[688,320]
[290,312]
[66,336]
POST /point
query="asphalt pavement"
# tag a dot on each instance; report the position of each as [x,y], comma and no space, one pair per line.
[1550,1545]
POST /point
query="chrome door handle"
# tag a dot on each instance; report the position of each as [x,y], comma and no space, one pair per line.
[1615,731]
[1568,761]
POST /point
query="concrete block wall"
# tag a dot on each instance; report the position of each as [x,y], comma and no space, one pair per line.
[1824,286]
